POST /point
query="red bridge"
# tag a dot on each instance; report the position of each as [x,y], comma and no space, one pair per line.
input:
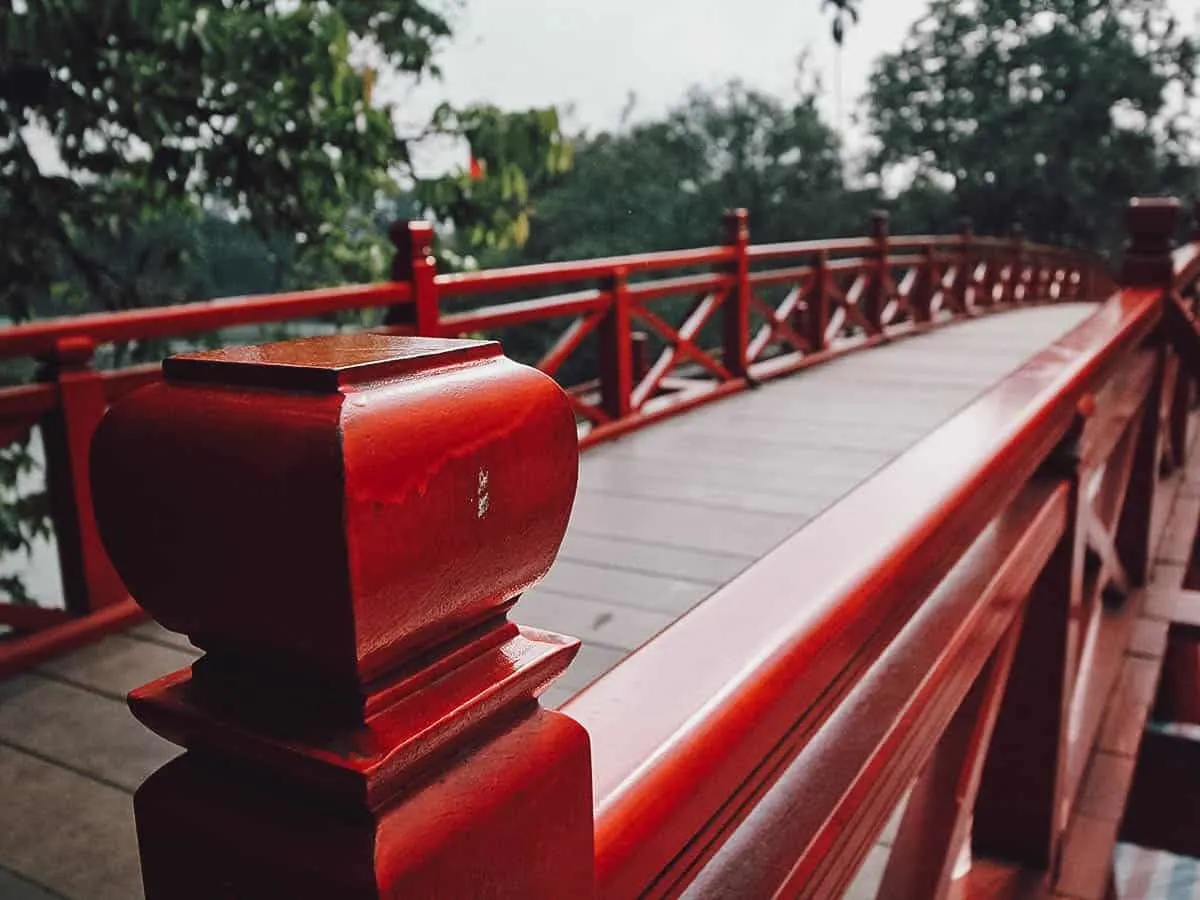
[910,622]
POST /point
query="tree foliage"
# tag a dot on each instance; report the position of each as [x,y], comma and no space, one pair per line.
[1048,113]
[256,110]
[842,14]
[664,184]
[149,147]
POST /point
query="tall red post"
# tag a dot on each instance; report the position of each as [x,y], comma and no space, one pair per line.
[928,278]
[1014,289]
[1148,264]
[818,303]
[1151,223]
[342,525]
[737,305]
[88,578]
[1021,811]
[966,265]
[415,263]
[615,336]
[878,293]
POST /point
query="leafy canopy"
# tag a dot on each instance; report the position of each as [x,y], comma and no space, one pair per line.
[1049,113]
[255,110]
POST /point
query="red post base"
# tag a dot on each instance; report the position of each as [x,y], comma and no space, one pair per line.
[510,819]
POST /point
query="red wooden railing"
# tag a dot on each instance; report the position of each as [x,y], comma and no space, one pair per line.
[708,315]
[364,720]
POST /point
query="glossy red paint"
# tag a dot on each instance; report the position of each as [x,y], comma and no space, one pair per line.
[341,525]
[401,483]
[740,673]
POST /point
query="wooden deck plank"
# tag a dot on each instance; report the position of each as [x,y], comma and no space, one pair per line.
[67,832]
[16,887]
[652,558]
[680,525]
[606,467]
[592,621]
[118,664]
[703,495]
[91,734]
[654,593]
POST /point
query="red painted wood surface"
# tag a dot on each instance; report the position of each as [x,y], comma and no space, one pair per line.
[342,524]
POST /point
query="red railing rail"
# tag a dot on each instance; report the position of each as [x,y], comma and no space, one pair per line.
[665,332]
[940,631]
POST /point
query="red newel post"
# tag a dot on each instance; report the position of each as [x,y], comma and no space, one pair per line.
[1014,289]
[1151,223]
[818,303]
[1021,811]
[1147,263]
[415,263]
[737,306]
[877,293]
[615,335]
[966,265]
[342,524]
[928,278]
[89,580]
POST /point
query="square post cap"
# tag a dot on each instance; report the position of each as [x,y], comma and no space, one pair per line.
[332,507]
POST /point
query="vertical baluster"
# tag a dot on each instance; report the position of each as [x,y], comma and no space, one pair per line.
[88,578]
[737,304]
[966,266]
[928,278]
[1147,264]
[818,303]
[875,296]
[415,263]
[615,335]
[342,524]
[1020,812]
[1013,290]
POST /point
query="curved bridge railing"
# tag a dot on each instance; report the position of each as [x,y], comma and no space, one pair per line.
[364,722]
[631,338]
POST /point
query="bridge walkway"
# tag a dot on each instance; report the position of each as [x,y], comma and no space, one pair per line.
[663,517]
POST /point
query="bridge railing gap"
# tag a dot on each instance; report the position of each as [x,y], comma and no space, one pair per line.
[364,721]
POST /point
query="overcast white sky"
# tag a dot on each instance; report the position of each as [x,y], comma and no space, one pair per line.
[591,55]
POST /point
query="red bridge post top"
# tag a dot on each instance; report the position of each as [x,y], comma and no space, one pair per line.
[1151,223]
[333,506]
[737,226]
[413,241]
[879,224]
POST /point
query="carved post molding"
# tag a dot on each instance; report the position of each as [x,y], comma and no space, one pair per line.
[341,524]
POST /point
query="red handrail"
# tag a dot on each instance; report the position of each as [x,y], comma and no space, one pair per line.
[716,694]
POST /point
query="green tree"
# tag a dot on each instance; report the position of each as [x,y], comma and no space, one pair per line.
[162,109]
[843,13]
[138,138]
[664,184]
[1048,113]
